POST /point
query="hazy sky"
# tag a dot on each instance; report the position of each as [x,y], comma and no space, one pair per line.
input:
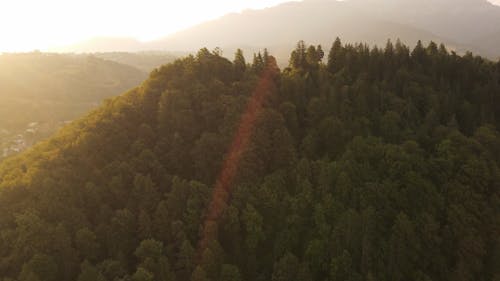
[26,25]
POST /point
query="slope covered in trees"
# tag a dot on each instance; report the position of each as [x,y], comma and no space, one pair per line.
[380,164]
[39,91]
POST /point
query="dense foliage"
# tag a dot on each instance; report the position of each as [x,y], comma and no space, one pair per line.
[362,164]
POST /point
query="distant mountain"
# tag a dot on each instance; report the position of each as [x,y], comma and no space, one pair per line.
[458,24]
[459,20]
[491,42]
[316,22]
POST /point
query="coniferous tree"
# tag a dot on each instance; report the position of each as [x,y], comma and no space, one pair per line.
[239,63]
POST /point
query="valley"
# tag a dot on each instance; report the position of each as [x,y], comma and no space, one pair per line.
[42,92]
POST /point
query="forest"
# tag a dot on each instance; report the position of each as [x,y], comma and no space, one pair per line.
[360,163]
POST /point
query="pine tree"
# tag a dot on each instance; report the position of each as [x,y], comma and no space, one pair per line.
[239,63]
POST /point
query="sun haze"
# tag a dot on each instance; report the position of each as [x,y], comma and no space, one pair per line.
[26,25]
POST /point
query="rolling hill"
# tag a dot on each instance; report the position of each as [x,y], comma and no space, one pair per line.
[144,61]
[39,92]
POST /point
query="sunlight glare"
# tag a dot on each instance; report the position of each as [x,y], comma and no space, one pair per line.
[26,25]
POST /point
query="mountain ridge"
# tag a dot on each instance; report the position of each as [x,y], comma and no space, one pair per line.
[457,24]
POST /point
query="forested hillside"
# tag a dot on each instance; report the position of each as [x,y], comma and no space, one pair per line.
[39,92]
[357,164]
